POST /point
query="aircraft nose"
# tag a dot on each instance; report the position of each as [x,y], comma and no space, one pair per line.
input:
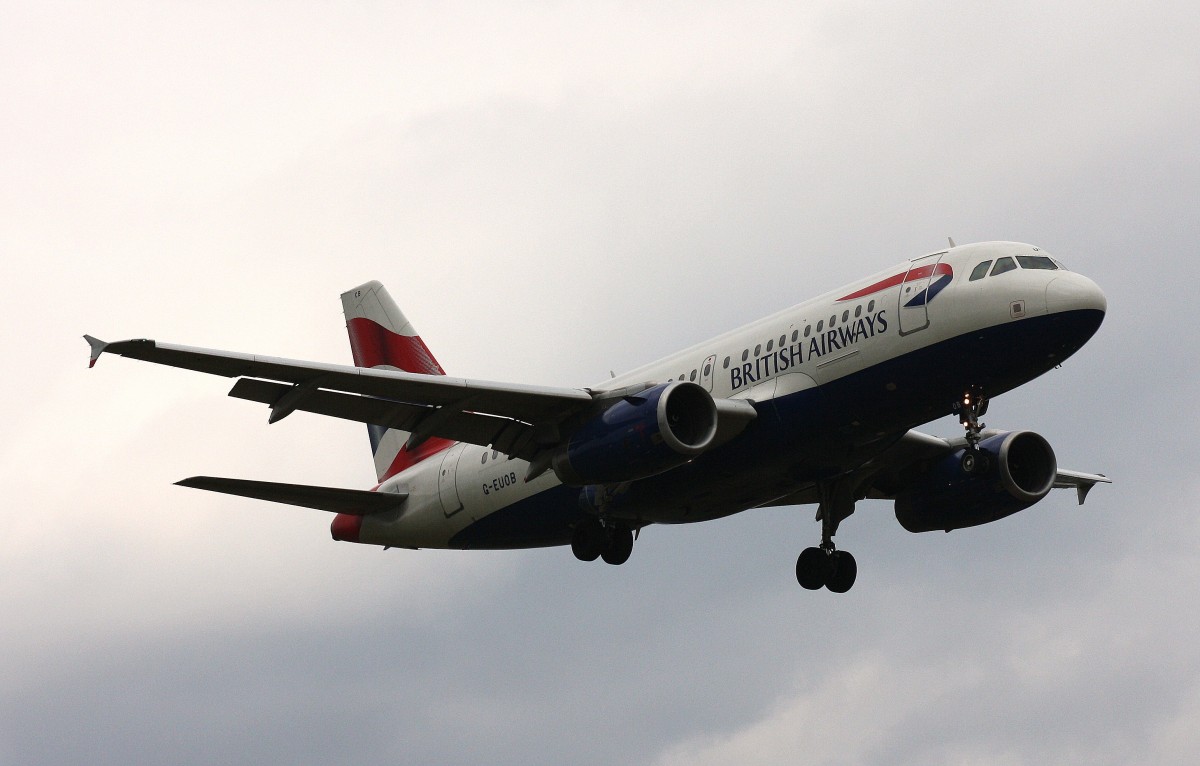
[1074,292]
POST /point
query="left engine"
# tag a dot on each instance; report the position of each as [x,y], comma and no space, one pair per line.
[1010,472]
[640,435]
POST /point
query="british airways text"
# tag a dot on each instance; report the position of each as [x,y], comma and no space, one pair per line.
[807,349]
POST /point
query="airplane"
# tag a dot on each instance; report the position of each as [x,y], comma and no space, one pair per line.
[814,404]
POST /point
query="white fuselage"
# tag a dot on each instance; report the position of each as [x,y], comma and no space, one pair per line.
[868,333]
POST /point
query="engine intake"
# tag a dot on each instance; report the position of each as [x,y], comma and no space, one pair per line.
[639,436]
[1015,470]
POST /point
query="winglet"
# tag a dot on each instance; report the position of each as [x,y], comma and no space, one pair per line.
[1083,488]
[98,347]
[1082,482]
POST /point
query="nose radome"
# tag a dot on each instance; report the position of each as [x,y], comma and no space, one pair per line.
[1074,292]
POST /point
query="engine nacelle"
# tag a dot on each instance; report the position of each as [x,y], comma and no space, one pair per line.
[1014,470]
[639,436]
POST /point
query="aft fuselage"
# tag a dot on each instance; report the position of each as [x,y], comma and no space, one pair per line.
[835,380]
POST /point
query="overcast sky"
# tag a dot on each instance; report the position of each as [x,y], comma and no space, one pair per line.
[554,191]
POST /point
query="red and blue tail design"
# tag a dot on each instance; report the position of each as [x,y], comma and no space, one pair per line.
[381,336]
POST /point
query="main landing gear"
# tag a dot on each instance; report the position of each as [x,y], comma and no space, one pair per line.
[970,409]
[826,566]
[594,539]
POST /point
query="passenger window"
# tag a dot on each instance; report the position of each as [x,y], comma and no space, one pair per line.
[770,345]
[745,354]
[1003,265]
[782,341]
[758,349]
[795,335]
[845,316]
[980,271]
[858,311]
[692,377]
[832,321]
[1036,262]
[871,307]
[707,370]
[481,462]
[725,366]
[807,329]
[820,324]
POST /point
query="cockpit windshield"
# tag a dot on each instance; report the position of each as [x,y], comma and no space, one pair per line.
[1037,262]
[1006,264]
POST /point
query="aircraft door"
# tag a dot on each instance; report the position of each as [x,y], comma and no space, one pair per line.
[447,487]
[706,373]
[913,307]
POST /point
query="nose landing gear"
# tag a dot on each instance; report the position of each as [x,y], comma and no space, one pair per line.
[970,409]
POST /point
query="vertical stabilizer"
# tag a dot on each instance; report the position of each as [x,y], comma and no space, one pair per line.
[381,336]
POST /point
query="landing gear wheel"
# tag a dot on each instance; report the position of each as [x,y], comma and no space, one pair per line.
[619,547]
[589,540]
[812,568]
[970,461]
[843,572]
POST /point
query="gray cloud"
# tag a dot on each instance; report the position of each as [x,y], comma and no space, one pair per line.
[553,192]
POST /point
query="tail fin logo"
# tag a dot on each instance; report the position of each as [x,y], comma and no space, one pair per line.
[381,336]
[375,346]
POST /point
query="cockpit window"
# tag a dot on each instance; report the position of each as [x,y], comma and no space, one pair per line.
[980,271]
[1003,265]
[1036,262]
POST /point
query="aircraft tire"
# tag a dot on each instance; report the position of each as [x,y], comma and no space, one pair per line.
[969,461]
[843,572]
[587,542]
[811,568]
[620,546]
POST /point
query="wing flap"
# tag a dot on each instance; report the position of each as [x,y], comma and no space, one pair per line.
[509,436]
[354,502]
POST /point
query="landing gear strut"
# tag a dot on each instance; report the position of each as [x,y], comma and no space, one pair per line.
[593,540]
[826,566]
[970,409]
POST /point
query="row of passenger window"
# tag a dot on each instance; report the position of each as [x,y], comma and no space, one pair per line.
[1008,264]
[783,340]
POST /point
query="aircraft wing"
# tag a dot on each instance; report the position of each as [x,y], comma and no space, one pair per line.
[1082,482]
[516,419]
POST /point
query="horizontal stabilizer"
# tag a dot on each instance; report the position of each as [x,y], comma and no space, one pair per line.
[354,502]
[97,347]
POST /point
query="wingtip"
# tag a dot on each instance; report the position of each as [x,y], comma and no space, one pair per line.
[97,347]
